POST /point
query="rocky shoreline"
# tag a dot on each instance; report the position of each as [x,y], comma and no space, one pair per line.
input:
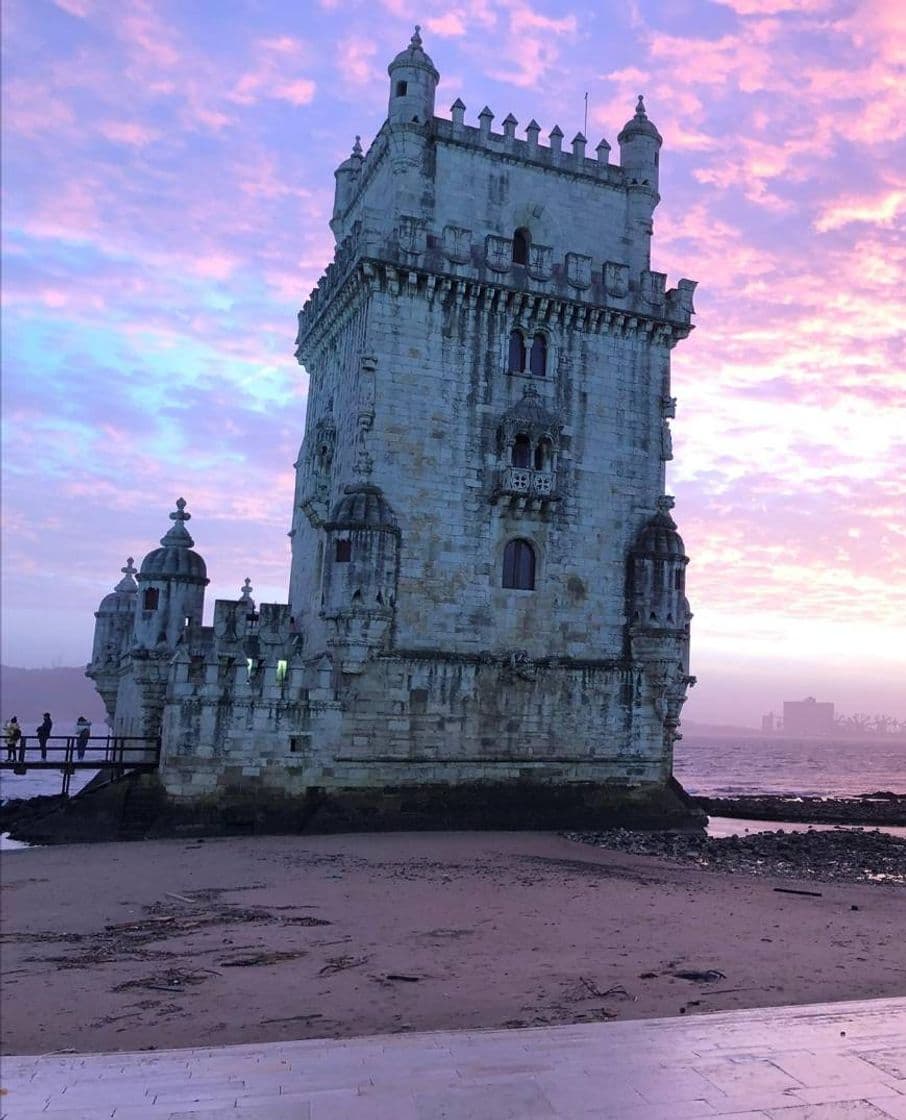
[879,808]
[854,855]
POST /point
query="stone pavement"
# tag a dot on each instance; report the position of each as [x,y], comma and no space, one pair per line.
[819,1062]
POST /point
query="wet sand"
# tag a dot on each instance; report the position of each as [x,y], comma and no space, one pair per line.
[185,943]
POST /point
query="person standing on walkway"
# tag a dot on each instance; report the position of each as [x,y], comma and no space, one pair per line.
[83,732]
[13,733]
[43,733]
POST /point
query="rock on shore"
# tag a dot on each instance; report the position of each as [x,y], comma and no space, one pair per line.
[879,808]
[845,854]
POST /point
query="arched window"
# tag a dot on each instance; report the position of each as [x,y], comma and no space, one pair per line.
[343,552]
[522,452]
[402,89]
[150,599]
[521,241]
[543,455]
[519,566]
[517,352]
[538,358]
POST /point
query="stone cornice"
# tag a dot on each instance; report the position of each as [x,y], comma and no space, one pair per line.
[578,312]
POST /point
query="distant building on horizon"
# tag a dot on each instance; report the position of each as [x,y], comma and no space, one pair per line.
[808,717]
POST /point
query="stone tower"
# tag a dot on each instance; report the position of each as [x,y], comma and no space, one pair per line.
[489,355]
[487,621]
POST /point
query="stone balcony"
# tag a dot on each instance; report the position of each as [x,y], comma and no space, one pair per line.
[524,488]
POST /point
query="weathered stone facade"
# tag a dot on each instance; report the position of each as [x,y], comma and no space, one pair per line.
[487,588]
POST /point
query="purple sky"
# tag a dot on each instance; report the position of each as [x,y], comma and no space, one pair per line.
[167,182]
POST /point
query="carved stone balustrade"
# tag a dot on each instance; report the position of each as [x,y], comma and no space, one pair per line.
[523,488]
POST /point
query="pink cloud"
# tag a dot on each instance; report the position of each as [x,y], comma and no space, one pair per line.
[131,133]
[448,25]
[881,209]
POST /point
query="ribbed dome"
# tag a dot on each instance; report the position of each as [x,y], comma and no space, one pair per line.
[530,416]
[660,539]
[640,125]
[363,506]
[121,599]
[414,55]
[175,559]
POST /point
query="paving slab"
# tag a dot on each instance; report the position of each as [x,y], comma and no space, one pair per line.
[818,1062]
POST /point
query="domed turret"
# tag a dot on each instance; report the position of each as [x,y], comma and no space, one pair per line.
[172,580]
[640,145]
[112,636]
[114,619]
[361,558]
[413,84]
[657,577]
[346,176]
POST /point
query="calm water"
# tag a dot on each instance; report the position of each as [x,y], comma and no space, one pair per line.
[726,767]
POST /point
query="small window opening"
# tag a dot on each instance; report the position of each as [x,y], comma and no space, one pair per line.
[281,671]
[522,452]
[252,665]
[150,599]
[357,596]
[401,89]
[521,241]
[517,352]
[678,580]
[379,598]
[186,622]
[519,566]
[538,358]
[343,552]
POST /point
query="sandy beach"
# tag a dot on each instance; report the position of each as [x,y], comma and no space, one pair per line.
[178,943]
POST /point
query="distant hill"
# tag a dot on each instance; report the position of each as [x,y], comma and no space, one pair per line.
[66,693]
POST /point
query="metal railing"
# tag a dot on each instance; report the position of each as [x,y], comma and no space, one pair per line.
[113,753]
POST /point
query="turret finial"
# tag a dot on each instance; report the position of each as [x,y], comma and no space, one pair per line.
[357,147]
[247,591]
[640,108]
[127,583]
[177,536]
[416,39]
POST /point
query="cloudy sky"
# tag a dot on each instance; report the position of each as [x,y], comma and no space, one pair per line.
[167,183]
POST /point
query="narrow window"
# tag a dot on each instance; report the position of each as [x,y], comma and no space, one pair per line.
[678,579]
[517,352]
[538,358]
[401,88]
[521,240]
[522,452]
[519,566]
[150,599]
[344,552]
[543,456]
[281,671]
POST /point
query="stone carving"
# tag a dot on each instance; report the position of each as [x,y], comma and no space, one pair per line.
[498,253]
[457,244]
[578,270]
[540,261]
[616,279]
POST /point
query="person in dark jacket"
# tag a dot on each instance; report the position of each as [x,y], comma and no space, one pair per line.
[43,733]
[83,733]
